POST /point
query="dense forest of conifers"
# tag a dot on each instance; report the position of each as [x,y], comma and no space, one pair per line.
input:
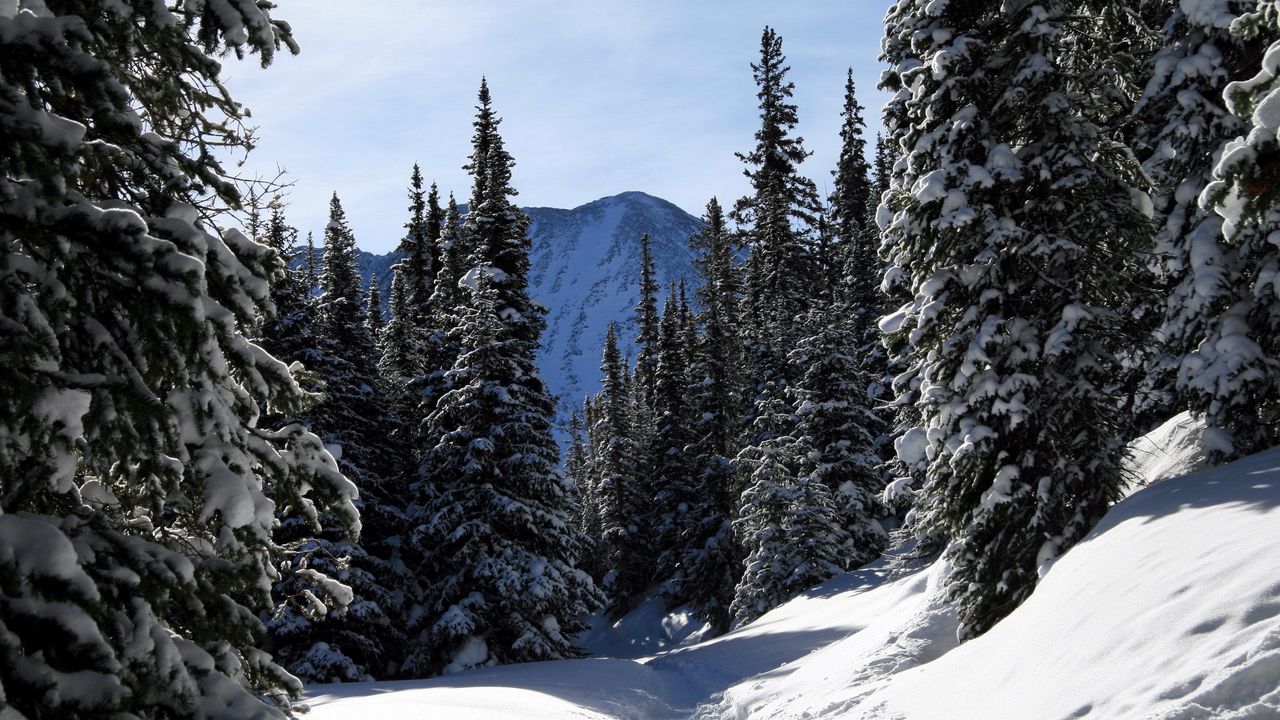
[223,469]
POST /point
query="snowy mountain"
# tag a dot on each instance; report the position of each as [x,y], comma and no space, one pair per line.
[585,268]
[1169,609]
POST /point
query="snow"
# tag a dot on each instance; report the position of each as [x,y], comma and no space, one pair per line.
[1169,610]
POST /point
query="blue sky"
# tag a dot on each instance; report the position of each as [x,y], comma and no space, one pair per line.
[597,97]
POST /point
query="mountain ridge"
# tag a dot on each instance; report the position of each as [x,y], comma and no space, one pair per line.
[584,268]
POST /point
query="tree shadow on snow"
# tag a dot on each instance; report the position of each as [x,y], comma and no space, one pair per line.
[1252,482]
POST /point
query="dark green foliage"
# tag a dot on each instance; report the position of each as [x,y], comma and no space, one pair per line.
[1013,224]
[140,479]
[493,515]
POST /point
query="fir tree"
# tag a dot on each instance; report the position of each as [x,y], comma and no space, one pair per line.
[709,565]
[397,361]
[855,241]
[311,273]
[357,418]
[140,487]
[374,320]
[496,535]
[836,433]
[786,522]
[1013,224]
[620,501]
[419,245]
[671,478]
[780,266]
[1223,314]
[647,325]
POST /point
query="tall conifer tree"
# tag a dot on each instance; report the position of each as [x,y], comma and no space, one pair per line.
[496,534]
[1013,224]
[141,482]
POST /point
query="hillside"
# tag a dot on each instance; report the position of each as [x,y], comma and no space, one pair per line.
[585,269]
[1169,610]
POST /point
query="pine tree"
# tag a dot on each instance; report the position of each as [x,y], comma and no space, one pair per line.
[780,266]
[836,432]
[357,418]
[1222,320]
[374,320]
[1014,222]
[496,535]
[140,488]
[671,476]
[709,566]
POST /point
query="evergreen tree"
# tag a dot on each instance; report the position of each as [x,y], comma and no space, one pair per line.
[437,339]
[671,477]
[709,566]
[418,245]
[1014,222]
[496,536]
[396,339]
[780,267]
[855,240]
[374,320]
[311,274]
[288,333]
[647,323]
[836,433]
[620,500]
[356,417]
[505,588]
[140,487]
[786,522]
[1221,218]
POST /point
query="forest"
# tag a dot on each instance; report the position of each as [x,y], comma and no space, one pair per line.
[230,468]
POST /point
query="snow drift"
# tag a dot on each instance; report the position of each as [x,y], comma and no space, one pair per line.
[1170,610]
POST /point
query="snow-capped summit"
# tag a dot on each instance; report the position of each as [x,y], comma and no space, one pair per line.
[585,269]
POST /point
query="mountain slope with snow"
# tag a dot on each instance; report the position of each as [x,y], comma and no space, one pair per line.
[585,269]
[1170,610]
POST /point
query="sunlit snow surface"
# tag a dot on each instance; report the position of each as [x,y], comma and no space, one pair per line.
[1170,610]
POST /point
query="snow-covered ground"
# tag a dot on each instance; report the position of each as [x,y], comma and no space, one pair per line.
[1170,610]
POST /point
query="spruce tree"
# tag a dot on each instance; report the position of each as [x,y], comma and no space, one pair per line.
[621,502]
[775,219]
[500,552]
[140,483]
[1219,238]
[418,245]
[836,432]
[311,273]
[396,339]
[709,565]
[647,322]
[671,476]
[786,522]
[357,419]
[374,320]
[855,240]
[1014,222]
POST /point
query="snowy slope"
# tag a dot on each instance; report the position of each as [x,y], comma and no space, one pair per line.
[585,268]
[1170,610]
